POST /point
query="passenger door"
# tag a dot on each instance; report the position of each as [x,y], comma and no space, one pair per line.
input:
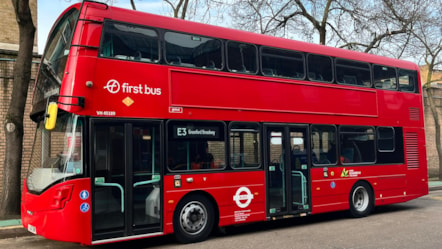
[125,162]
[287,168]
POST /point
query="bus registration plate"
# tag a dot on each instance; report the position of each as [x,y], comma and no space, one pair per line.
[32,229]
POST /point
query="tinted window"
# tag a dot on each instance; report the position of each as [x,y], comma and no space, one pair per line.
[245,151]
[282,63]
[193,51]
[384,77]
[353,73]
[195,145]
[320,68]
[407,80]
[129,42]
[241,57]
[356,144]
[385,136]
[390,149]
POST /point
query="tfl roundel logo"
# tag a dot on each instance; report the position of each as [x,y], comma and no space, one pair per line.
[243,197]
[112,86]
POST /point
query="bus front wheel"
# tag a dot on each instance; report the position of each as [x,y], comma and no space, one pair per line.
[193,219]
[361,200]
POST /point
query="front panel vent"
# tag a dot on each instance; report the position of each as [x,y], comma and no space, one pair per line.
[412,150]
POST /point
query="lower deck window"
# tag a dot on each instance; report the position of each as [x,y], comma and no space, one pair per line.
[195,146]
[245,146]
[357,144]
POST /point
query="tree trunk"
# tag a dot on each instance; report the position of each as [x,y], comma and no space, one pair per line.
[133,4]
[10,198]
[437,127]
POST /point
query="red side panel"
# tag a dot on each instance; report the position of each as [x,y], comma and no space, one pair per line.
[239,197]
[331,193]
[62,212]
[236,92]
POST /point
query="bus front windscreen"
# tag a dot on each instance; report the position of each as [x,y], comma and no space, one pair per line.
[57,154]
[54,59]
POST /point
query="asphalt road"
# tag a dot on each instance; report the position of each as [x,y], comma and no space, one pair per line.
[411,225]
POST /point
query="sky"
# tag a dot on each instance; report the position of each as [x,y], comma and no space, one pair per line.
[49,10]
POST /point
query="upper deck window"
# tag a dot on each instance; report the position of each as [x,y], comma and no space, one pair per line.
[407,80]
[353,72]
[282,63]
[384,77]
[193,51]
[320,68]
[129,42]
[242,57]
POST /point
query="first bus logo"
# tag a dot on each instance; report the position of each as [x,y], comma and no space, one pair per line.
[113,86]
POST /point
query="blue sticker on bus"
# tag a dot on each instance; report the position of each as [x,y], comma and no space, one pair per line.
[84,207]
[84,195]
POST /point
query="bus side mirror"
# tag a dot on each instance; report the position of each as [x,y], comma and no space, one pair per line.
[51,116]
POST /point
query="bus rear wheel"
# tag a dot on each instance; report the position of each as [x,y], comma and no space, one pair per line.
[361,200]
[193,219]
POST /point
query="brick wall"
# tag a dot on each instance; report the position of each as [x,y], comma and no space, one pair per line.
[432,157]
[7,62]
[9,35]
[430,133]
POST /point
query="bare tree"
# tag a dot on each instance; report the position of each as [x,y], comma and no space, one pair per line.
[304,18]
[260,16]
[368,26]
[133,4]
[10,198]
[179,8]
[429,35]
[381,26]
[205,11]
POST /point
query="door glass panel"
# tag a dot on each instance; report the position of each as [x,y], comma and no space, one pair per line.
[276,174]
[145,176]
[299,168]
[109,177]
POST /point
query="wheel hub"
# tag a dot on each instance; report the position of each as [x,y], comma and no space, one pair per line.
[193,218]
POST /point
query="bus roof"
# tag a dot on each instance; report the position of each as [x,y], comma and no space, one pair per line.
[153,20]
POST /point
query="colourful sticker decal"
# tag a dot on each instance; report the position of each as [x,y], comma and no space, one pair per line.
[350,173]
[344,173]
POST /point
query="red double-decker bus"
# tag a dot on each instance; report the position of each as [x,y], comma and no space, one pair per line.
[148,125]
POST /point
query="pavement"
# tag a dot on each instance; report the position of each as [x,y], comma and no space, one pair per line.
[13,228]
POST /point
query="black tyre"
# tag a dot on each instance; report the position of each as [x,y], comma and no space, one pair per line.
[193,219]
[361,200]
